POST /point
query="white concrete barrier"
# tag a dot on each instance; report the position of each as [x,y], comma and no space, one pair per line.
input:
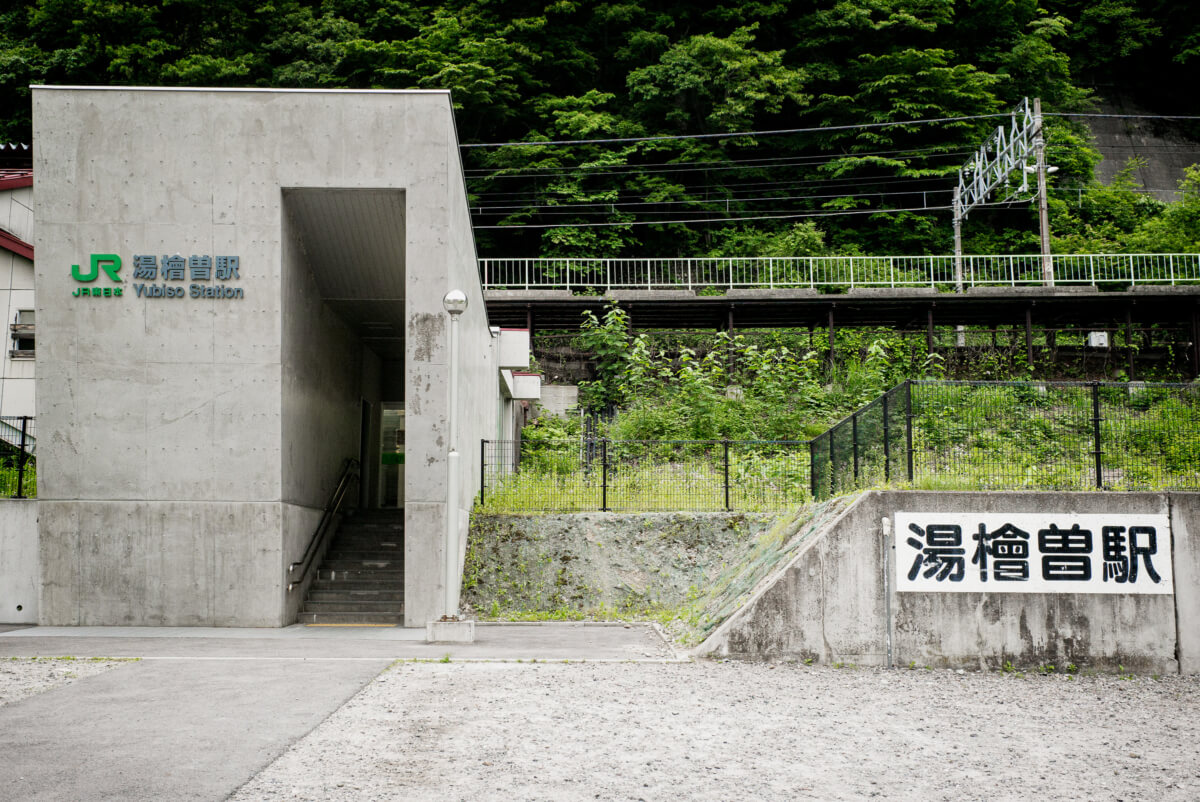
[843,597]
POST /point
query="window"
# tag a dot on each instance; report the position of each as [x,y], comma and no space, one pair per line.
[23,335]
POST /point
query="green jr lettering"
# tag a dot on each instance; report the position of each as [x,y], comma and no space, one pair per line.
[110,263]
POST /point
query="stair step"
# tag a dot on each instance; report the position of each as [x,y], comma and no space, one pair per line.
[364,563]
[396,618]
[360,564]
[346,595]
[335,553]
[382,541]
[392,539]
[371,582]
[361,578]
[327,574]
[368,530]
[352,606]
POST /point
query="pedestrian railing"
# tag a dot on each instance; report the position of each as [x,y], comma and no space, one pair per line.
[837,272]
[18,460]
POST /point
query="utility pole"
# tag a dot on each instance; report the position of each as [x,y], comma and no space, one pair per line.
[958,255]
[1039,147]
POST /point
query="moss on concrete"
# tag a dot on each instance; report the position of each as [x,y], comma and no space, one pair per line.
[689,571]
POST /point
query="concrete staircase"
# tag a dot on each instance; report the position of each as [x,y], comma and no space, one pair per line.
[361,580]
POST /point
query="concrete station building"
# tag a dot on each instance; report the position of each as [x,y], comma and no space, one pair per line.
[235,291]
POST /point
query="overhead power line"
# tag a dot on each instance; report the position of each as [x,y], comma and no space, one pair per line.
[796,216]
[818,129]
[858,181]
[733,134]
[1124,116]
[637,169]
[604,207]
[821,158]
[601,205]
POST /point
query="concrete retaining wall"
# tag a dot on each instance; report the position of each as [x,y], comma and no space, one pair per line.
[18,561]
[834,602]
[602,560]
[1185,539]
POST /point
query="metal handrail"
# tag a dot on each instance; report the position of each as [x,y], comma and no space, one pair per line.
[349,474]
[811,272]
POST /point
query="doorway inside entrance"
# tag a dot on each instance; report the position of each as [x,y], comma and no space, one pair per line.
[391,455]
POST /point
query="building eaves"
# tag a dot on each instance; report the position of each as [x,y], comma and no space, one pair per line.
[15,177]
[16,245]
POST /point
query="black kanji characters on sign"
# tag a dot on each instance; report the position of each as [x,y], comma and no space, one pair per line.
[1076,557]
[1122,550]
[1008,548]
[941,552]
[1066,553]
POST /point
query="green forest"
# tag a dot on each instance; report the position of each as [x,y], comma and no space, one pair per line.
[836,87]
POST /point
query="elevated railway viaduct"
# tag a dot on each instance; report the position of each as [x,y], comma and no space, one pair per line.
[1131,295]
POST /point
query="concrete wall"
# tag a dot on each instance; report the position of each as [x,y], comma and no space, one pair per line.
[1185,536]
[835,603]
[159,475]
[559,399]
[322,388]
[322,384]
[182,427]
[441,239]
[828,605]
[16,292]
[18,561]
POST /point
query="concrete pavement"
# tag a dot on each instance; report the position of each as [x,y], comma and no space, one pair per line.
[535,641]
[205,710]
[168,729]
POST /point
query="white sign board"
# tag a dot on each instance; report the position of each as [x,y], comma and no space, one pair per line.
[1032,553]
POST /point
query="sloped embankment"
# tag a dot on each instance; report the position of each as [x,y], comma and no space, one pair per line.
[711,605]
[690,571]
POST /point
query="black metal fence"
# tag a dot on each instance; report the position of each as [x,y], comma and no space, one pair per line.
[1016,435]
[18,461]
[926,434]
[585,474]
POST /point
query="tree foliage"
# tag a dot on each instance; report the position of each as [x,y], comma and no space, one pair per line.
[846,79]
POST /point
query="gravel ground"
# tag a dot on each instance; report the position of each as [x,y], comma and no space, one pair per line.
[21,677]
[719,731]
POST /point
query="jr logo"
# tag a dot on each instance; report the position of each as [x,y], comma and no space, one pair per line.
[110,263]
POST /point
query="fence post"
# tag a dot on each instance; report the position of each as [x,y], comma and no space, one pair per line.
[812,467]
[908,414]
[832,472]
[21,458]
[887,446]
[727,508]
[482,470]
[604,475]
[854,436]
[1096,435]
